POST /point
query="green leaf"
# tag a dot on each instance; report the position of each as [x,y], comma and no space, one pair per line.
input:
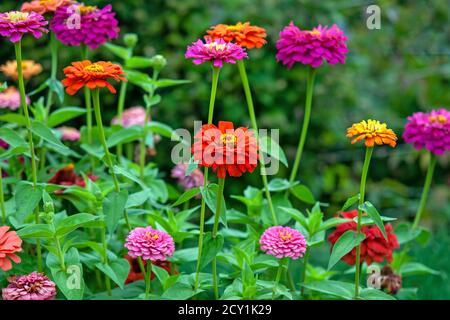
[338,289]
[161,274]
[186,196]
[57,87]
[113,208]
[14,118]
[270,147]
[350,201]
[139,62]
[121,52]
[303,193]
[12,138]
[344,245]
[128,174]
[137,199]
[210,195]
[179,291]
[125,135]
[26,199]
[64,114]
[71,223]
[332,222]
[278,184]
[373,213]
[36,231]
[11,152]
[374,294]
[297,216]
[192,165]
[416,269]
[211,248]
[117,270]
[163,83]
[160,128]
[141,80]
[42,131]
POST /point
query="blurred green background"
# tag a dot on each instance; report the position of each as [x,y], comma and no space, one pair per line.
[390,73]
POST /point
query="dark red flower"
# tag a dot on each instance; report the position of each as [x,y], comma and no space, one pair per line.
[374,248]
[225,149]
[135,273]
[67,177]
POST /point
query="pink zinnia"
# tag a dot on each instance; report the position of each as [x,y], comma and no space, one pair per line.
[134,116]
[216,51]
[194,180]
[429,130]
[10,244]
[79,24]
[283,242]
[10,99]
[69,134]
[15,24]
[35,286]
[311,47]
[150,244]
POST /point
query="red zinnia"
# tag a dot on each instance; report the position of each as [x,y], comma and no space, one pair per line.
[374,248]
[135,273]
[67,177]
[225,149]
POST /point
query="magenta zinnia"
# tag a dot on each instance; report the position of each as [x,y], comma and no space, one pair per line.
[193,180]
[150,244]
[35,286]
[282,242]
[15,24]
[79,24]
[311,47]
[429,130]
[217,52]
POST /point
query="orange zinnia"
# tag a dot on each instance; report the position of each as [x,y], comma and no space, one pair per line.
[44,6]
[10,243]
[92,75]
[29,69]
[373,132]
[242,34]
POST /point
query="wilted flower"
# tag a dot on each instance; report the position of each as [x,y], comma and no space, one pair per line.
[215,51]
[29,69]
[15,24]
[35,286]
[44,6]
[193,180]
[429,130]
[69,134]
[226,150]
[150,244]
[373,132]
[10,243]
[134,116]
[10,99]
[391,282]
[67,177]
[374,248]
[283,242]
[135,273]
[243,34]
[78,24]
[311,47]
[92,75]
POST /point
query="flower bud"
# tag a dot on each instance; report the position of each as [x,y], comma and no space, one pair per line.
[130,40]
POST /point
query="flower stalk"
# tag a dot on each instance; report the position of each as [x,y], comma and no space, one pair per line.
[2,198]
[282,263]
[215,231]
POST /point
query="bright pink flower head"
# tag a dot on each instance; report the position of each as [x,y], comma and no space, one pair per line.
[15,24]
[150,244]
[78,24]
[283,242]
[69,134]
[10,99]
[216,51]
[311,47]
[194,180]
[134,116]
[429,130]
[35,286]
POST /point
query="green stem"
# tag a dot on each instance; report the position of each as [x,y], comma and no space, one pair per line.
[60,254]
[53,70]
[2,198]
[303,274]
[130,151]
[88,103]
[251,111]
[105,260]
[120,108]
[23,102]
[215,231]
[425,191]
[148,280]
[281,265]
[306,120]
[362,190]
[212,100]
[108,159]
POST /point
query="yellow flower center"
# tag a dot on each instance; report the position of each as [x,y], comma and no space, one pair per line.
[215,45]
[228,138]
[285,235]
[86,9]
[69,167]
[315,32]
[42,2]
[440,118]
[237,27]
[94,68]
[16,16]
[153,236]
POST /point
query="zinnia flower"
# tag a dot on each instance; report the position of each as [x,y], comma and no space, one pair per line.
[150,244]
[10,243]
[243,34]
[78,24]
[283,242]
[373,132]
[429,130]
[35,286]
[134,116]
[29,69]
[215,51]
[135,273]
[374,248]
[225,149]
[69,134]
[194,180]
[44,6]
[311,47]
[92,75]
[15,24]
[67,177]
[10,99]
